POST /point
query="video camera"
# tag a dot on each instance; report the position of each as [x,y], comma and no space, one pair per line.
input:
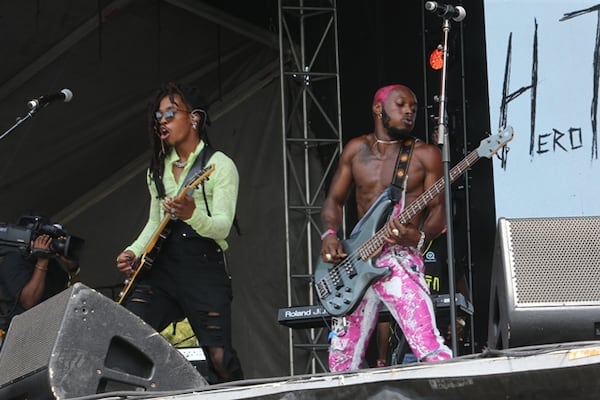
[19,237]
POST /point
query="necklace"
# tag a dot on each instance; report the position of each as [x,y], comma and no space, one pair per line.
[377,140]
[180,164]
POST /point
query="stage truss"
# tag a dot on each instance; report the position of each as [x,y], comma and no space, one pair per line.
[312,143]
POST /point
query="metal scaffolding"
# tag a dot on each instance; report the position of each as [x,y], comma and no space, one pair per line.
[312,143]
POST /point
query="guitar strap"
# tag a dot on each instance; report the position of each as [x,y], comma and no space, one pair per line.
[401,171]
[199,163]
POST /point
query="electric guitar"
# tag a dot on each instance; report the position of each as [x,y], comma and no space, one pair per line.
[340,287]
[146,260]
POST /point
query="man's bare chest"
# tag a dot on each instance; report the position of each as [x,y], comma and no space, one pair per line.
[377,170]
[373,175]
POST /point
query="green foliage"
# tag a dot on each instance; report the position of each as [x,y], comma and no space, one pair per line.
[180,334]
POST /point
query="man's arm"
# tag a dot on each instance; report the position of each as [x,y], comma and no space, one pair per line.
[332,209]
[434,223]
[34,289]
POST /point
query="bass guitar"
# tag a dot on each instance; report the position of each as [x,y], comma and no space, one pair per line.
[146,260]
[340,287]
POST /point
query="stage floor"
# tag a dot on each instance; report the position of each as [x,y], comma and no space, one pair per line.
[556,371]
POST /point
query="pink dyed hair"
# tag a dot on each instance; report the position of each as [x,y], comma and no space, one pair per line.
[382,93]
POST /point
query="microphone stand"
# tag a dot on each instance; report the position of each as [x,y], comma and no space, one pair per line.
[20,120]
[443,139]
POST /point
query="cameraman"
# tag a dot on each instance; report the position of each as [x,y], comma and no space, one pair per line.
[27,278]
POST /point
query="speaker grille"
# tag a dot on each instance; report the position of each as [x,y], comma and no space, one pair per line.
[32,336]
[555,261]
[80,342]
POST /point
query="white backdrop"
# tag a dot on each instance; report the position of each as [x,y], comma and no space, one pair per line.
[553,169]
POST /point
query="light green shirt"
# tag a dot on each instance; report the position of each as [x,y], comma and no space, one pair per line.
[221,194]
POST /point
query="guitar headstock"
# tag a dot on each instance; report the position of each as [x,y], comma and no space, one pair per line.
[490,145]
[200,177]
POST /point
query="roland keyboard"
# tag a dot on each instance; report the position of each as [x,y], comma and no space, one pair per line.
[304,317]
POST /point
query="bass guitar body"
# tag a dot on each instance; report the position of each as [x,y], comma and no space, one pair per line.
[340,287]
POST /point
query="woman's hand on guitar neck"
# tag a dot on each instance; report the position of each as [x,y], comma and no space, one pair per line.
[125,262]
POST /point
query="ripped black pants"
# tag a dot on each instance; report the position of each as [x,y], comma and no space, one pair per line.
[189,279]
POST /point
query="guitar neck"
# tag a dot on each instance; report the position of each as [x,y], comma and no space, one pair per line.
[156,236]
[372,246]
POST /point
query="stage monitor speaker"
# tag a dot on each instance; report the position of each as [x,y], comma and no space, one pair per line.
[545,282]
[81,343]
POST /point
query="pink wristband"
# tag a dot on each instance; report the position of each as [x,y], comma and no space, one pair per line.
[327,233]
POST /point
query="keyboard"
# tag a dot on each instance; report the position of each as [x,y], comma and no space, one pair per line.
[315,316]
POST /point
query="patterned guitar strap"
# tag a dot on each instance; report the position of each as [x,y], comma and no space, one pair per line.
[401,171]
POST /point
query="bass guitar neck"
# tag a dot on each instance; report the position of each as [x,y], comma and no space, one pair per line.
[341,287]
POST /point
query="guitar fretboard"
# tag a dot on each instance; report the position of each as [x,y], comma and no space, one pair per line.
[374,244]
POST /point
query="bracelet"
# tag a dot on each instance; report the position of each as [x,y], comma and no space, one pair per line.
[421,241]
[327,233]
[74,272]
[40,268]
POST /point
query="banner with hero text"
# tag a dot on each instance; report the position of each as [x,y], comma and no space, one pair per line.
[543,76]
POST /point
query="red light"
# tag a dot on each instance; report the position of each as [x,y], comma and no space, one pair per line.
[436,59]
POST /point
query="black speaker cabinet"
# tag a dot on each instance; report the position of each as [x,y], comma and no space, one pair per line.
[545,282]
[80,343]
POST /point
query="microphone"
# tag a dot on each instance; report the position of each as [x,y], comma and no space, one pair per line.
[457,13]
[66,95]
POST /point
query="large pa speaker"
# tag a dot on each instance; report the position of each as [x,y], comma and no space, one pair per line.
[80,343]
[545,282]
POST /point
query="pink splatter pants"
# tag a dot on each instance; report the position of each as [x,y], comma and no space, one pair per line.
[405,293]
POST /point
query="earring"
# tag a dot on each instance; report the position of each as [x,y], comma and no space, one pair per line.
[194,125]
[379,115]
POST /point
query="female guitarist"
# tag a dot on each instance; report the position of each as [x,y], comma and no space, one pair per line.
[179,267]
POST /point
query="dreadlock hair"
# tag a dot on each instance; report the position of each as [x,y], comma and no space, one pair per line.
[192,101]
